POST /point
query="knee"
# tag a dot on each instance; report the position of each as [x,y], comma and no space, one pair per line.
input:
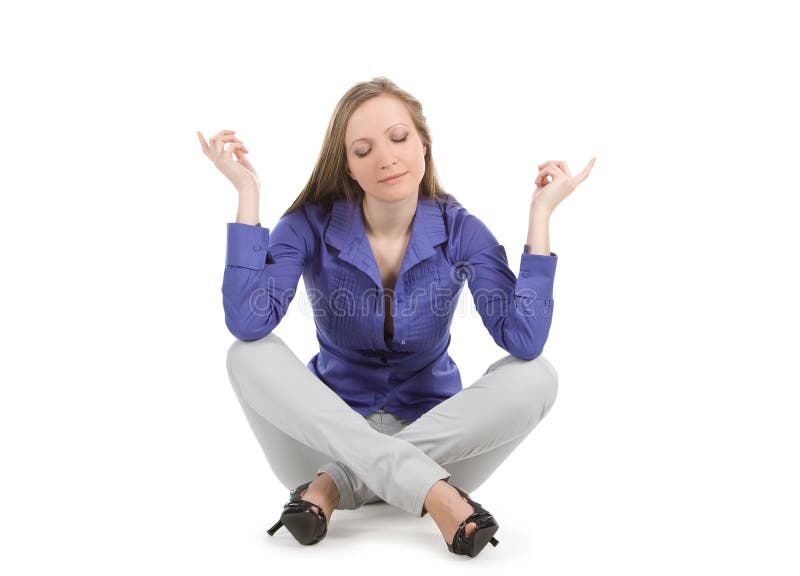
[549,380]
[541,383]
[242,350]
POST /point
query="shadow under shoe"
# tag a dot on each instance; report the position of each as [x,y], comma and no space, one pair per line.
[305,524]
[485,527]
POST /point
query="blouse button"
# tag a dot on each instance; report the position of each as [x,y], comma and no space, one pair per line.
[256,247]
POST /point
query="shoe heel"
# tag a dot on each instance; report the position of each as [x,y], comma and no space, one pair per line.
[303,526]
[482,535]
[307,526]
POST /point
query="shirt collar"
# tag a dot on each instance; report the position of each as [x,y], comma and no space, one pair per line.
[346,233]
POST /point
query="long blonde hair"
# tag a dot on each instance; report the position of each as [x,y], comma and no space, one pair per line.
[329,180]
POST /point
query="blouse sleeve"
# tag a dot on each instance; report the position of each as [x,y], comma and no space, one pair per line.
[517,311]
[262,270]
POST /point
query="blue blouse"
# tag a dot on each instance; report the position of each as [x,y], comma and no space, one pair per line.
[412,372]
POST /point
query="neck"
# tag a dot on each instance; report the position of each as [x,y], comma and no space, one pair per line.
[388,220]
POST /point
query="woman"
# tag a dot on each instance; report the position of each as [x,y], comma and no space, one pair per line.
[379,414]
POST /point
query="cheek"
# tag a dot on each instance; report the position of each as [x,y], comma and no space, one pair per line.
[421,162]
[354,173]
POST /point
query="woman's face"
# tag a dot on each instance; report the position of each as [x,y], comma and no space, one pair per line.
[381,141]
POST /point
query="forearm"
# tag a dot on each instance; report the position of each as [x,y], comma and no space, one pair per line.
[248,212]
[538,231]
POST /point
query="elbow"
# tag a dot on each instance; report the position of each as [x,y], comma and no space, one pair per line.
[245,321]
[528,342]
[524,333]
[250,336]
[249,328]
[527,347]
[526,353]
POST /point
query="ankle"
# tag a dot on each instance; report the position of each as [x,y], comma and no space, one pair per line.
[325,485]
[437,498]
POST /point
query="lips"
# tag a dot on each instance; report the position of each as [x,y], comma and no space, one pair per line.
[392,178]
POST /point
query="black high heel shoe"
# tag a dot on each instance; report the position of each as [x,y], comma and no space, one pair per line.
[485,527]
[306,525]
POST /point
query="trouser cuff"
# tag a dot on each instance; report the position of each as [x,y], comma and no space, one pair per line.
[346,495]
[419,504]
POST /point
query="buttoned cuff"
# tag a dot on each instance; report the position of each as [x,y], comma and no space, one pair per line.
[536,275]
[247,245]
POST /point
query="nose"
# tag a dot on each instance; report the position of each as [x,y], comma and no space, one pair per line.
[385,156]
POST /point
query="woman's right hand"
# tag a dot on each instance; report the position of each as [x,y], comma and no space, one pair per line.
[238,170]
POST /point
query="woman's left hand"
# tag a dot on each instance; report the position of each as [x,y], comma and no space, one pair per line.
[554,183]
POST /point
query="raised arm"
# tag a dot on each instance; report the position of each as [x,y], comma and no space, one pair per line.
[262,270]
[517,311]
[553,183]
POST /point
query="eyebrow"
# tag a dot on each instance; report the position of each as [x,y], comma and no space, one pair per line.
[385,131]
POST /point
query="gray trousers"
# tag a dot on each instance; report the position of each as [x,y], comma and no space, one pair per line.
[305,429]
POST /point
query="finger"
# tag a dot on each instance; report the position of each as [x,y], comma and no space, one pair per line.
[235,146]
[220,134]
[224,139]
[558,163]
[218,144]
[239,149]
[245,162]
[234,139]
[242,159]
[243,146]
[561,165]
[203,144]
[541,179]
[585,172]
[550,163]
[552,171]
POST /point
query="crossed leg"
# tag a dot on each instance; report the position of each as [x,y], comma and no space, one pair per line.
[471,433]
[465,438]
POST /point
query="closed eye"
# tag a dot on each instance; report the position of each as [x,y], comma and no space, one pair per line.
[403,139]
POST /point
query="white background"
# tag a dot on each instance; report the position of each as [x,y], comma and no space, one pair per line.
[673,446]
